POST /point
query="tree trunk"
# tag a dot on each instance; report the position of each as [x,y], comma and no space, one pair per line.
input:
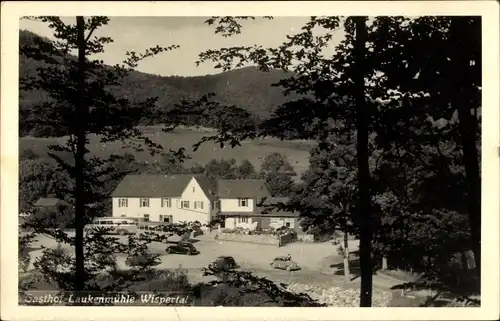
[465,262]
[384,262]
[347,272]
[81,112]
[362,119]
[468,127]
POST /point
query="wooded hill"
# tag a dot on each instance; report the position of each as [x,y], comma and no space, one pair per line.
[247,88]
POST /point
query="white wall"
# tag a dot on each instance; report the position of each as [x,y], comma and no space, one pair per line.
[192,193]
[234,222]
[178,213]
[230,222]
[231,205]
[133,208]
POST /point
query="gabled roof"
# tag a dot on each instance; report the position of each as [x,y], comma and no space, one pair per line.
[173,185]
[242,188]
[270,214]
[208,185]
[273,201]
[146,185]
[50,201]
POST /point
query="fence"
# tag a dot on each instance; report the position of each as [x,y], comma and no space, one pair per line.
[260,239]
[285,239]
[279,241]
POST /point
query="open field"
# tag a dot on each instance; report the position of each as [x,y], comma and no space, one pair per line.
[255,151]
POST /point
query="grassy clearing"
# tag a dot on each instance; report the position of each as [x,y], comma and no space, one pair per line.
[254,151]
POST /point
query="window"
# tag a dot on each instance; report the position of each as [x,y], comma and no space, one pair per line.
[289,222]
[166,218]
[146,217]
[144,202]
[242,219]
[166,202]
[185,204]
[198,204]
[122,202]
[212,205]
[194,189]
[243,202]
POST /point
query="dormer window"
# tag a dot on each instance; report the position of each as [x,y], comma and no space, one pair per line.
[243,202]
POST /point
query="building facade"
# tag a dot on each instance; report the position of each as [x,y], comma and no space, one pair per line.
[188,198]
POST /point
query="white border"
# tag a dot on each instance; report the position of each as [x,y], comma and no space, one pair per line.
[11,11]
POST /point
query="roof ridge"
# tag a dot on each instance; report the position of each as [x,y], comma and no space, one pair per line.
[241,179]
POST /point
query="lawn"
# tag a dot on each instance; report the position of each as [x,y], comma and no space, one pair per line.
[255,151]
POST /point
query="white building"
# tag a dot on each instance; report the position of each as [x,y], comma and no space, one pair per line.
[177,198]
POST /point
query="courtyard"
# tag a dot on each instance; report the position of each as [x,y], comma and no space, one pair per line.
[317,260]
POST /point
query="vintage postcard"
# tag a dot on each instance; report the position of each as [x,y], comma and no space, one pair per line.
[219,160]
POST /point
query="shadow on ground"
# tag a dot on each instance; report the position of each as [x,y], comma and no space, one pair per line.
[354,266]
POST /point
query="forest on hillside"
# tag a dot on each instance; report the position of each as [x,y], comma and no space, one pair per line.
[248,89]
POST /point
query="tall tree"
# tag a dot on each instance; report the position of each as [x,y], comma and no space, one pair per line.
[39,178]
[329,88]
[278,172]
[327,195]
[246,170]
[465,39]
[81,105]
[391,91]
[362,122]
[225,169]
[433,98]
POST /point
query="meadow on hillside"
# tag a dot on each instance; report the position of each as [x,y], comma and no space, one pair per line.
[255,151]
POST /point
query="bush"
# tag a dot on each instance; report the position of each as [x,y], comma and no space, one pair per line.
[228,295]
[24,248]
[165,280]
[28,154]
[142,260]
[51,219]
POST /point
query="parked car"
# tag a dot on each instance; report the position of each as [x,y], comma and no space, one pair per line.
[182,248]
[284,263]
[223,263]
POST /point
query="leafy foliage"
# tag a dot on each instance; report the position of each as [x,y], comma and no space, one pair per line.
[239,288]
[278,172]
[38,178]
[422,136]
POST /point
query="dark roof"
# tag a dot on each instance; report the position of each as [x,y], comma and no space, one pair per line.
[146,185]
[239,188]
[208,185]
[273,201]
[142,185]
[251,214]
[50,201]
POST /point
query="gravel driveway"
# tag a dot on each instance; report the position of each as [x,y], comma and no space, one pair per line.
[251,257]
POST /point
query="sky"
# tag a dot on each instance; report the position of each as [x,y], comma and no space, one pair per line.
[190,33]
